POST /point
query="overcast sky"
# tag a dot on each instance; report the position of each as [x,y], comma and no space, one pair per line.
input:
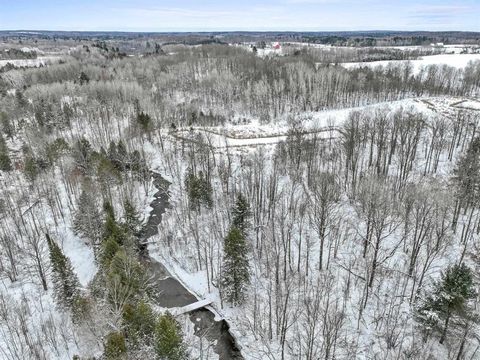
[190,15]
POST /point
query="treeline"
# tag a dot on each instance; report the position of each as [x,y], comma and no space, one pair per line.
[388,39]
[336,55]
[13,54]
[223,80]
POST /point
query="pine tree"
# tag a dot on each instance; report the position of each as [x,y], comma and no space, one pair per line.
[7,125]
[56,149]
[139,321]
[205,190]
[82,153]
[113,155]
[111,229]
[30,168]
[83,78]
[81,309]
[241,214]
[449,298]
[145,121]
[132,218]
[87,221]
[169,343]
[115,346]
[5,162]
[20,99]
[65,281]
[199,190]
[235,267]
[122,154]
[192,190]
[109,248]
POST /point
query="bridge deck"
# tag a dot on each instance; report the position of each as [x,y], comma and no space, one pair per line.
[190,307]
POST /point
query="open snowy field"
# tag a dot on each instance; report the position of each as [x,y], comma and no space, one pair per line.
[321,124]
[458,61]
[468,104]
[39,61]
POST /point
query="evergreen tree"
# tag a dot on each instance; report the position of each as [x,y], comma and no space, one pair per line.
[132,218]
[108,210]
[40,113]
[7,125]
[235,267]
[83,78]
[169,339]
[65,281]
[145,121]
[115,346]
[158,49]
[82,153]
[5,162]
[205,190]
[122,154]
[110,248]
[87,221]
[449,298]
[199,190]
[56,149]
[112,154]
[20,100]
[111,229]
[139,321]
[66,114]
[81,309]
[191,187]
[241,214]
[30,168]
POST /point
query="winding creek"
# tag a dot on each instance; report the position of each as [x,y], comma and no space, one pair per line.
[170,293]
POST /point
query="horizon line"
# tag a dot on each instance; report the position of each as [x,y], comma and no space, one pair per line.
[187,31]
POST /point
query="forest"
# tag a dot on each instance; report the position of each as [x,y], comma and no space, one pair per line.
[162,200]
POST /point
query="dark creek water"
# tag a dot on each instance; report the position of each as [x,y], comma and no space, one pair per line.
[219,331]
[170,293]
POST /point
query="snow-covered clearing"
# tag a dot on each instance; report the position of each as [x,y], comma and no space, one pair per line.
[458,61]
[323,125]
[468,104]
[39,61]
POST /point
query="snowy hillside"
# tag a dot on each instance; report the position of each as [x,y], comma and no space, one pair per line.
[192,196]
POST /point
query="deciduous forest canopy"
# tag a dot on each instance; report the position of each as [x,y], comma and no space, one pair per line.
[239,195]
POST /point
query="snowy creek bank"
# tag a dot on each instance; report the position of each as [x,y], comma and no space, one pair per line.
[170,293]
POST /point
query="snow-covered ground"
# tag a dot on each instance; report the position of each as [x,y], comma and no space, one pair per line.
[458,61]
[322,124]
[182,231]
[468,104]
[360,331]
[39,61]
